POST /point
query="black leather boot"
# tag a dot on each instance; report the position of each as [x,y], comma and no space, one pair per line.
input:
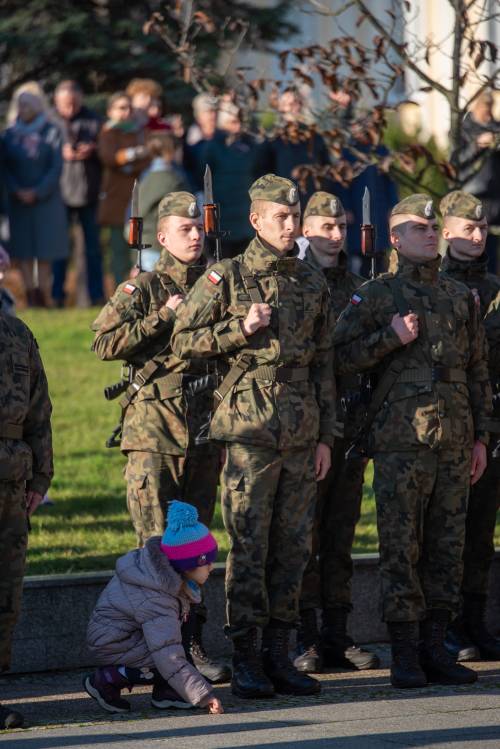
[458,643]
[249,679]
[279,668]
[439,666]
[10,718]
[406,672]
[475,626]
[309,659]
[338,648]
[214,671]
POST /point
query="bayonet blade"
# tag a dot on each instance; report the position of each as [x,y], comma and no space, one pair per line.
[135,200]
[207,185]
[366,207]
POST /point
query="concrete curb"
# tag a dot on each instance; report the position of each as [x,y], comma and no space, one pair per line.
[56,608]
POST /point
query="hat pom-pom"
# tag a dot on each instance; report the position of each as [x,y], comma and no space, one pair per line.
[181,515]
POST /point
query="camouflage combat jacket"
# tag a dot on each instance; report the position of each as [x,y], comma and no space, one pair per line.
[492,327]
[25,409]
[263,410]
[474,274]
[442,399]
[342,284]
[135,326]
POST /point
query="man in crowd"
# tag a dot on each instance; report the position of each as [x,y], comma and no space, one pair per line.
[198,135]
[268,316]
[427,431]
[25,470]
[465,229]
[327,580]
[80,183]
[168,401]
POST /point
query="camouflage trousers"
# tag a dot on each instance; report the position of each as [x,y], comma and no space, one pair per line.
[484,502]
[268,500]
[13,543]
[327,578]
[421,499]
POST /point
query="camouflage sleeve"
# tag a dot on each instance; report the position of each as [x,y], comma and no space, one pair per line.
[37,432]
[478,375]
[363,334]
[322,365]
[125,326]
[203,327]
[492,327]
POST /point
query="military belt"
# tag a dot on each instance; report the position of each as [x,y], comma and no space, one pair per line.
[278,374]
[11,431]
[432,374]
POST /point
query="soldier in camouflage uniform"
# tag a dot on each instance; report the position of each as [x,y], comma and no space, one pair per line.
[162,418]
[426,429]
[466,228]
[327,580]
[25,469]
[267,314]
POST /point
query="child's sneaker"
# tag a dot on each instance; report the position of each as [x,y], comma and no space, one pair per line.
[104,686]
[164,697]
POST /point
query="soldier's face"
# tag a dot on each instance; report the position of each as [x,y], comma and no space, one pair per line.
[277,224]
[326,236]
[182,237]
[467,238]
[416,238]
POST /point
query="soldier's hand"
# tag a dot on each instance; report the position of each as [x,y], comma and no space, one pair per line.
[406,328]
[174,301]
[215,706]
[33,499]
[259,316]
[479,461]
[322,460]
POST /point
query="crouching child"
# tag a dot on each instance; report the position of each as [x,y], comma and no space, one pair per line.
[135,629]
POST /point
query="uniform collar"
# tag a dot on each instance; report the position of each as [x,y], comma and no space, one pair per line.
[465,268]
[260,256]
[182,274]
[333,273]
[422,272]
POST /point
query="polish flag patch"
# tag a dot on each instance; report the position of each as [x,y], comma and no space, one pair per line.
[129,288]
[214,277]
[356,299]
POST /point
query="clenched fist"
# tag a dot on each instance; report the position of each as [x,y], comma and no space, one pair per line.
[259,316]
[174,301]
[405,327]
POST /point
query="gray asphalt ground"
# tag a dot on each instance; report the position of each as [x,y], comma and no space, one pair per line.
[354,710]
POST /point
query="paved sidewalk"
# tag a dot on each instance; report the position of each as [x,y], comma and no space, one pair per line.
[354,710]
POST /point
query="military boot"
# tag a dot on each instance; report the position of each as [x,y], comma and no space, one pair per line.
[10,718]
[309,659]
[105,685]
[214,671]
[279,668]
[439,666]
[406,672]
[458,643]
[249,679]
[475,626]
[338,648]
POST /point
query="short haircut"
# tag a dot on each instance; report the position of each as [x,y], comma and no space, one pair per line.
[115,97]
[162,144]
[68,86]
[257,206]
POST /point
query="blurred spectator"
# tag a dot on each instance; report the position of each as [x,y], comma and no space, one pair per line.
[146,99]
[7,302]
[80,184]
[198,135]
[31,87]
[481,148]
[161,177]
[296,144]
[124,156]
[37,216]
[236,160]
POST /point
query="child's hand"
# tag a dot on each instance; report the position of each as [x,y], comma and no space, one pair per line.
[215,706]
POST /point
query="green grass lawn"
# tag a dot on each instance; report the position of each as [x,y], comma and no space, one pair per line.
[88,527]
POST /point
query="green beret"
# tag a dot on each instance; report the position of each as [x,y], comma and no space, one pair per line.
[324,204]
[179,204]
[462,205]
[418,204]
[275,189]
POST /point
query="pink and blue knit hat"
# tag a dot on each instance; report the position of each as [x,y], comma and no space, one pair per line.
[187,542]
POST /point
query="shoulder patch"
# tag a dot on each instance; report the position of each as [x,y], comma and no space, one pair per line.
[129,288]
[356,299]
[214,277]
